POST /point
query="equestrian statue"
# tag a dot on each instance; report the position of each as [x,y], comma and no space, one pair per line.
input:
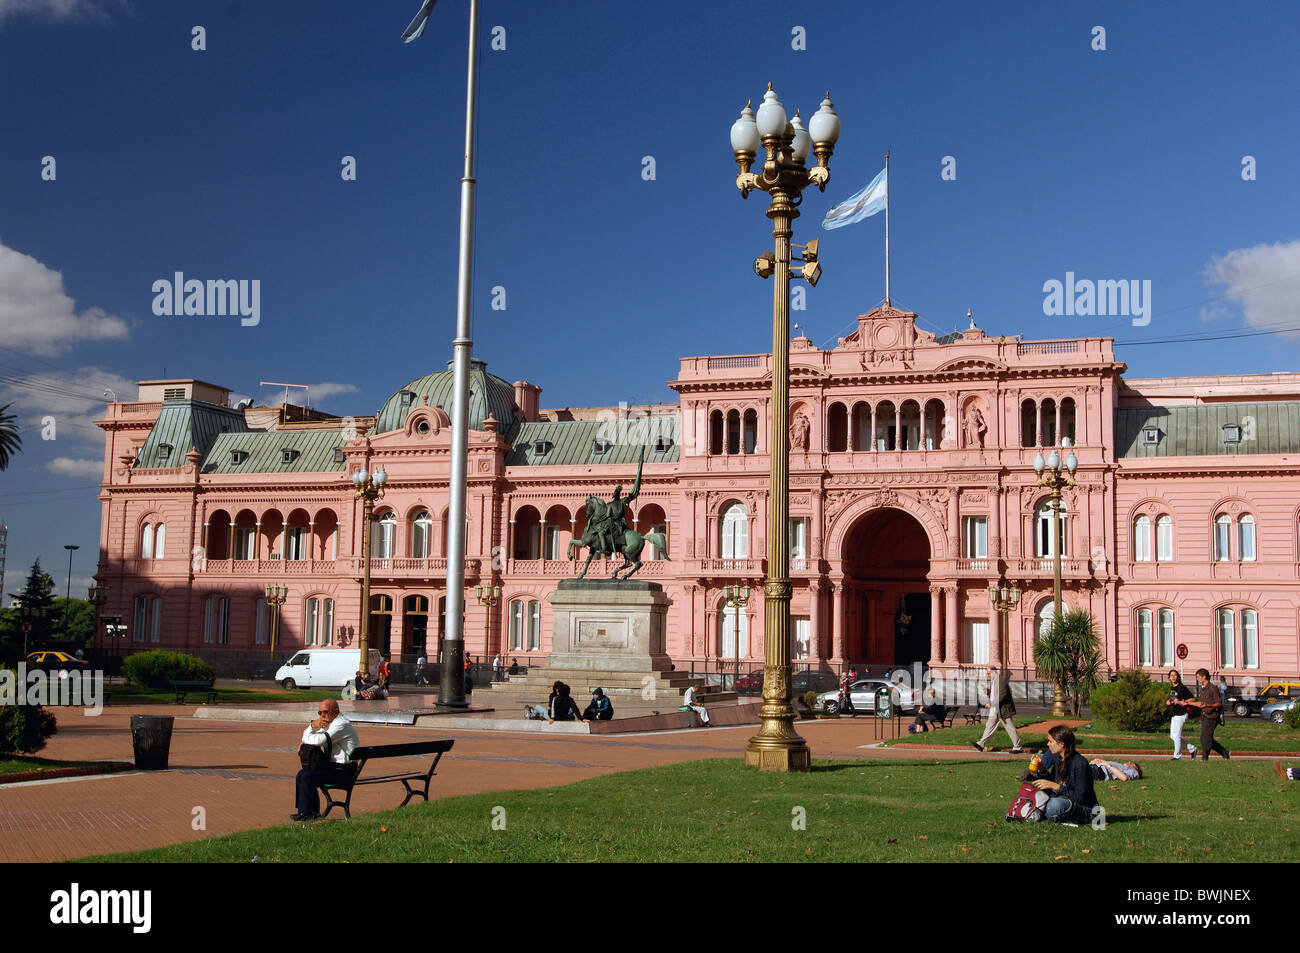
[607,533]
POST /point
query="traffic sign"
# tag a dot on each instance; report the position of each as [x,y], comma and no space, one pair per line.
[1181,651]
[26,627]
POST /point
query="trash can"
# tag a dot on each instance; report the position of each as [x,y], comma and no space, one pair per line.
[151,736]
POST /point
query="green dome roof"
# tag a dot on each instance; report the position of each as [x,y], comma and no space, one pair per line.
[487,394]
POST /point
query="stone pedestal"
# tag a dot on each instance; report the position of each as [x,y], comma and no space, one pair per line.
[601,625]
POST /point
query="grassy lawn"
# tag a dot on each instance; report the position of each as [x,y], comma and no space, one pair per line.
[1246,734]
[17,764]
[135,695]
[855,811]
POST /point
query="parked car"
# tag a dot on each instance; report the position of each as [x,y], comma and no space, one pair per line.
[863,694]
[1244,705]
[1276,711]
[750,682]
[55,662]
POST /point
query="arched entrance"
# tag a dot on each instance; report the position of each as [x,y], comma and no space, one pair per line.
[886,559]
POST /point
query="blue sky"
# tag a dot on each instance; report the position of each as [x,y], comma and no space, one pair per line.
[225,163]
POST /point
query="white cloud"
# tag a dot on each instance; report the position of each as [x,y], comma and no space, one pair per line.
[74,398]
[66,466]
[1264,281]
[318,393]
[37,315]
[59,10]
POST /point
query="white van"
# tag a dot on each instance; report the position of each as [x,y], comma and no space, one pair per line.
[329,668]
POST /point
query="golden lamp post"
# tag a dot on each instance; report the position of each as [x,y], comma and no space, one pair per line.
[783,175]
[275,597]
[1004,601]
[488,597]
[736,597]
[370,487]
[1051,476]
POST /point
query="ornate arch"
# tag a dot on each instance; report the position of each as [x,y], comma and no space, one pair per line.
[855,508]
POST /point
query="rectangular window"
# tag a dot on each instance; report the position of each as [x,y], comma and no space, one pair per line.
[1142,540]
[327,623]
[534,626]
[209,620]
[141,614]
[295,542]
[1250,638]
[656,553]
[155,629]
[313,620]
[262,615]
[1227,638]
[223,621]
[802,636]
[1164,539]
[1166,637]
[517,626]
[1246,537]
[975,537]
[243,548]
[799,538]
[1144,636]
[1222,549]
[552,542]
[976,638]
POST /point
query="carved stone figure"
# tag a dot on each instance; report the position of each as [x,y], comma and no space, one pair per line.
[799,428]
[975,428]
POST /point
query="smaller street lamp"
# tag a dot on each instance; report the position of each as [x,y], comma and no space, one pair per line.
[67,596]
[1004,602]
[98,595]
[1050,475]
[488,597]
[736,597]
[370,487]
[276,596]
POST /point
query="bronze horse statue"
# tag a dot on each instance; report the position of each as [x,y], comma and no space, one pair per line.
[625,542]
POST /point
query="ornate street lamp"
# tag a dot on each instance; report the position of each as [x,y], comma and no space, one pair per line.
[67,596]
[370,487]
[488,597]
[276,597]
[97,595]
[785,146]
[1004,601]
[1050,475]
[736,597]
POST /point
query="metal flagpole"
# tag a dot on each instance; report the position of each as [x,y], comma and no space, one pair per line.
[451,688]
[887,191]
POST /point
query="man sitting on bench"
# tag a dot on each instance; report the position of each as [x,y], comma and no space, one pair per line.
[932,711]
[330,729]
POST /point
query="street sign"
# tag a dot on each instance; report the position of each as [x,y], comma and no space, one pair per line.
[1181,651]
[26,627]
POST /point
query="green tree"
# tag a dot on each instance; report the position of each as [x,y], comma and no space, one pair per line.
[37,595]
[1069,653]
[80,616]
[10,440]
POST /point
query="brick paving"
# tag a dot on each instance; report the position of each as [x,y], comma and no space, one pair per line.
[240,775]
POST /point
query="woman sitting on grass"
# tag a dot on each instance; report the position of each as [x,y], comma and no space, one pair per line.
[1071,795]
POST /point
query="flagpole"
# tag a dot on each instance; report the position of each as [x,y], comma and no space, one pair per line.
[887,191]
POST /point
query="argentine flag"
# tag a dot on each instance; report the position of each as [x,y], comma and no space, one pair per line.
[864,204]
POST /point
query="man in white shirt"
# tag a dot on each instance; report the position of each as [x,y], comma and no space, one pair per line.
[497,667]
[688,701]
[332,729]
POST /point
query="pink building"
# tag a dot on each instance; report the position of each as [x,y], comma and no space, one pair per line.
[911,492]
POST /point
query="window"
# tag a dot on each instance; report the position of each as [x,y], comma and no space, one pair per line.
[975,537]
[600,445]
[1164,539]
[141,614]
[657,554]
[534,626]
[1043,537]
[516,626]
[173,393]
[541,448]
[551,544]
[1250,638]
[295,542]
[244,540]
[1150,436]
[164,451]
[1232,433]
[1222,535]
[1142,539]
[1246,538]
[288,456]
[802,636]
[525,626]
[1144,636]
[238,456]
[663,444]
[407,398]
[975,635]
[261,613]
[160,542]
[735,532]
[146,542]
[421,535]
[1166,653]
[320,621]
[799,538]
[1227,638]
[339,455]
[382,534]
[1045,615]
[216,618]
[155,627]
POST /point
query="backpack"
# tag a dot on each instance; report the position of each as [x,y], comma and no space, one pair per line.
[1027,805]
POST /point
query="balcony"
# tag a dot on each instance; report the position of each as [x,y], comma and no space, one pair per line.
[1042,566]
[727,567]
[981,566]
[569,568]
[409,567]
[267,567]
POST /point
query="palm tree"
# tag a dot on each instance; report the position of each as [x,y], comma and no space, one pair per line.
[10,441]
[1069,653]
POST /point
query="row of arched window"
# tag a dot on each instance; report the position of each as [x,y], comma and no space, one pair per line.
[1043,423]
[884,425]
[1234,540]
[1236,643]
[153,541]
[733,432]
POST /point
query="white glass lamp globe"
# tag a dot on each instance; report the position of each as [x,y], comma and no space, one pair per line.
[359,477]
[744,132]
[1054,462]
[1071,463]
[825,125]
[1038,462]
[381,477]
[802,141]
[771,115]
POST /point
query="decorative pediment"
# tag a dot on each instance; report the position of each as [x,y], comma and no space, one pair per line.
[971,364]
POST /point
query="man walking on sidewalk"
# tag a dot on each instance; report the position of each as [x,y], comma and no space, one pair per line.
[1002,710]
[1210,701]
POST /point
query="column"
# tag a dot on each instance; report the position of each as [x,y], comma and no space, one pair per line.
[573,534]
[1058,420]
[814,620]
[952,655]
[898,425]
[871,427]
[936,625]
[954,523]
[510,543]
[995,527]
[837,636]
[257,540]
[1038,424]
[311,541]
[541,539]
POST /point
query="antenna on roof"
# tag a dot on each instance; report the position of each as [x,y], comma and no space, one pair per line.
[304,387]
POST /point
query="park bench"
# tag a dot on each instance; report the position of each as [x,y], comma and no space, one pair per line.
[949,714]
[183,688]
[376,752]
[976,716]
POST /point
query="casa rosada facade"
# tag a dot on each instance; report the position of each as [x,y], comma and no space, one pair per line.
[912,491]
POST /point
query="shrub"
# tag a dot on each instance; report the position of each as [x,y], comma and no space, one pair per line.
[25,728]
[809,699]
[1292,718]
[154,669]
[1132,703]
[1069,654]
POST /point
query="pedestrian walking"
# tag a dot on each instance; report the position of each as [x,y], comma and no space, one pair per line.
[1210,701]
[497,668]
[1178,694]
[1002,710]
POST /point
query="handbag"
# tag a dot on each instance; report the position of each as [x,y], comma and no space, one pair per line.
[314,757]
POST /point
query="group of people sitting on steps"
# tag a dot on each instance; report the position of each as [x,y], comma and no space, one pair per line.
[560,706]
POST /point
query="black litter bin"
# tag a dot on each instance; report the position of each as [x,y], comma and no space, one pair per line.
[151,735]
